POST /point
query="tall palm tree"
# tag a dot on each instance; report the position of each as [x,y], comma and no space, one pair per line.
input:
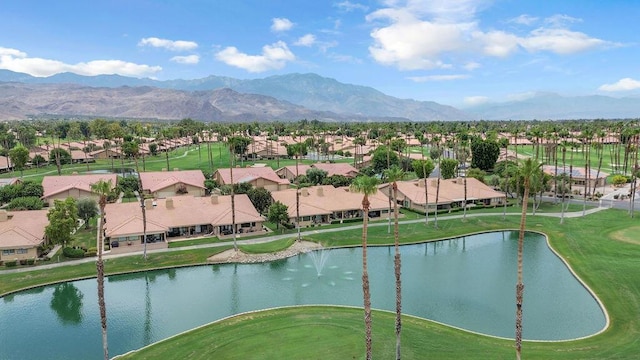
[102,188]
[423,141]
[135,153]
[563,146]
[528,170]
[393,174]
[367,186]
[233,193]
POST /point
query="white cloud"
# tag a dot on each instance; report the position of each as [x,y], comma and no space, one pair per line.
[423,34]
[472,65]
[280,24]
[497,43]
[625,84]
[475,100]
[438,78]
[274,56]
[348,6]
[411,44]
[177,45]
[524,19]
[560,21]
[190,59]
[15,60]
[306,40]
[559,41]
[12,52]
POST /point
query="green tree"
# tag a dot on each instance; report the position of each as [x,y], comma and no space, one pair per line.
[19,156]
[383,159]
[153,149]
[87,209]
[367,186]
[448,168]
[337,180]
[63,218]
[484,154]
[278,214]
[316,176]
[476,174]
[260,198]
[423,168]
[103,189]
[239,144]
[25,203]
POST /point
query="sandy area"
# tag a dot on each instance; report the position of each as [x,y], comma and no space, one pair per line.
[231,256]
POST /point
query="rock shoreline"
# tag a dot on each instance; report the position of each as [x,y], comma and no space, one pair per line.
[230,256]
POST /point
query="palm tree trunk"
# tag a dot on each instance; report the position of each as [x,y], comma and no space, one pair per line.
[144,212]
[397,270]
[435,215]
[520,285]
[233,200]
[365,280]
[297,199]
[100,276]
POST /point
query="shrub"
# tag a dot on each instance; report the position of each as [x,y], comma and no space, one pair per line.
[31,261]
[26,203]
[619,180]
[11,263]
[90,253]
[73,253]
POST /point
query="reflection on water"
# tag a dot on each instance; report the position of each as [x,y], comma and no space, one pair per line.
[467,282]
[66,301]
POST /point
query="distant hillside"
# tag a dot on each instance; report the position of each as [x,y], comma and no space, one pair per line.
[550,106]
[20,101]
[315,96]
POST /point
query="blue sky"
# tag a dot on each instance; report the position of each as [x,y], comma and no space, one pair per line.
[455,52]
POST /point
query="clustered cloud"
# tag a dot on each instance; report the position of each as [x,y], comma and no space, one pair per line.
[172,45]
[274,56]
[418,34]
[18,61]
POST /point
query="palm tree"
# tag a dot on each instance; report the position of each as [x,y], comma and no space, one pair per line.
[102,188]
[528,169]
[563,146]
[135,153]
[367,186]
[393,174]
[233,193]
[423,142]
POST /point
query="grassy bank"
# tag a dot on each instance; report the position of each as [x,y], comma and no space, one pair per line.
[600,248]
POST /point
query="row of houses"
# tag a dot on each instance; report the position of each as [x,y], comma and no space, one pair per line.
[173,213]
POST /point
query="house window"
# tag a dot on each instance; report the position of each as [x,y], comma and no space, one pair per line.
[306,218]
[22,251]
[8,252]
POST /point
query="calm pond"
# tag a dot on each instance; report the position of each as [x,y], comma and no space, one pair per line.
[468,282]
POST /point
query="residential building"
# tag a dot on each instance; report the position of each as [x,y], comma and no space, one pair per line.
[411,194]
[163,184]
[258,177]
[21,232]
[325,204]
[577,174]
[182,216]
[289,172]
[75,186]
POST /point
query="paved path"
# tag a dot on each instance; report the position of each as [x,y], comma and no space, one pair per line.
[266,239]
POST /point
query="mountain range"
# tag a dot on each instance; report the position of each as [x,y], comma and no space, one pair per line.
[287,97]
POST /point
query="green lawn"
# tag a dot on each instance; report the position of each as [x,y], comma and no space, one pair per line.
[600,248]
[270,247]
